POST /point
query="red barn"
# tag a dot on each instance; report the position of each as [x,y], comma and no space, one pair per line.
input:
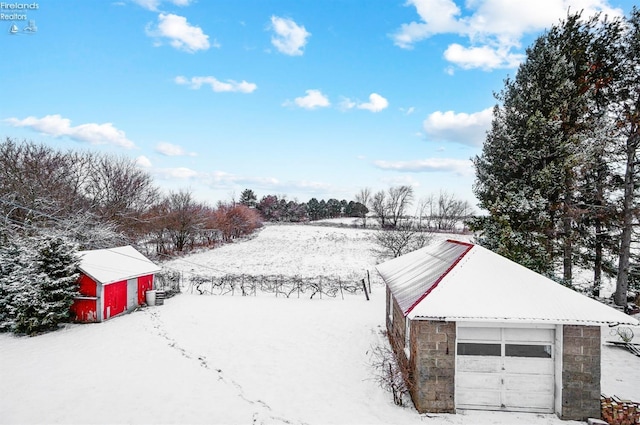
[112,281]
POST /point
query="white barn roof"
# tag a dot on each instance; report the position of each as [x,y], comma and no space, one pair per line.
[115,264]
[458,281]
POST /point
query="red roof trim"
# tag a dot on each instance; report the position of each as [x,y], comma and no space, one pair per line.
[460,243]
[437,282]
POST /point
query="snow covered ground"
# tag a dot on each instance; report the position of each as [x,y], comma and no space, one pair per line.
[238,360]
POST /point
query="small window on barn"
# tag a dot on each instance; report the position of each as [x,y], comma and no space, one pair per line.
[478,349]
[524,350]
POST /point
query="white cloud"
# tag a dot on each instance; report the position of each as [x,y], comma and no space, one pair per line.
[484,57]
[144,162]
[148,4]
[494,28]
[466,129]
[289,38]
[217,85]
[56,126]
[438,16]
[408,111]
[314,99]
[180,173]
[401,180]
[458,166]
[181,34]
[169,149]
[346,104]
[154,4]
[376,103]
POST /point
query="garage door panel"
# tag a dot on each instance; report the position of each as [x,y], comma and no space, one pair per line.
[539,402]
[483,334]
[530,335]
[479,364]
[479,399]
[528,366]
[480,381]
[527,383]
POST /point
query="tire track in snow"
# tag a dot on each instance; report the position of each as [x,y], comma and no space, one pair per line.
[259,418]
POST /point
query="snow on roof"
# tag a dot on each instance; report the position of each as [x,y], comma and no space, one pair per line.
[455,281]
[115,264]
[412,276]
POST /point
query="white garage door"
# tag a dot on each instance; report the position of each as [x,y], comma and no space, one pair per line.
[505,369]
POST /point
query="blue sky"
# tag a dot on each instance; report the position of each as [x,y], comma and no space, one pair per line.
[303,98]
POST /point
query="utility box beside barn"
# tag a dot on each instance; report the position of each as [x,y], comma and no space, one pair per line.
[475,330]
[112,281]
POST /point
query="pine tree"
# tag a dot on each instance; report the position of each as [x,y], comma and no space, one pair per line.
[38,281]
[628,113]
[16,283]
[248,198]
[57,262]
[529,173]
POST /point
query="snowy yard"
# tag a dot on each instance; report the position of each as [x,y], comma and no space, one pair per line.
[238,360]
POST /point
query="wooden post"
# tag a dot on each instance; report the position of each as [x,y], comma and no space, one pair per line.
[364,286]
[369,281]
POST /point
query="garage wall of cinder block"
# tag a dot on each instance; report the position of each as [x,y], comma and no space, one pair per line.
[433,364]
[581,372]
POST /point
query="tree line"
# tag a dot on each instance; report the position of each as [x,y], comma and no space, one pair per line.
[276,208]
[100,201]
[558,168]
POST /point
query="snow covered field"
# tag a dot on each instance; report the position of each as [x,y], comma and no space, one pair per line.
[238,360]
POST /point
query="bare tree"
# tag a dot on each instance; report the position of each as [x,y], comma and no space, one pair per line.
[391,206]
[400,198]
[405,237]
[391,375]
[120,191]
[185,218]
[364,197]
[37,183]
[445,211]
[234,220]
[379,207]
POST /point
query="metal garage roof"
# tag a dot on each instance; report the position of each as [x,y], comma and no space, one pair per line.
[115,264]
[457,281]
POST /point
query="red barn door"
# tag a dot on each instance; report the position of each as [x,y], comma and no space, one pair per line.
[115,299]
[144,284]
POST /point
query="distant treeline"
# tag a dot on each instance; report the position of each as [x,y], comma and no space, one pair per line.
[274,208]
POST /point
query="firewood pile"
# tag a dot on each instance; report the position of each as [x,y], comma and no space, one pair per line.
[616,411]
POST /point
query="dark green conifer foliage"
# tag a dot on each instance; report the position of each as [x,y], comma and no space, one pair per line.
[530,176]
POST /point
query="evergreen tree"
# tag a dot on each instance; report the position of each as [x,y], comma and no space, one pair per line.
[38,282]
[334,208]
[248,198]
[323,210]
[57,261]
[528,175]
[16,283]
[627,111]
[313,209]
